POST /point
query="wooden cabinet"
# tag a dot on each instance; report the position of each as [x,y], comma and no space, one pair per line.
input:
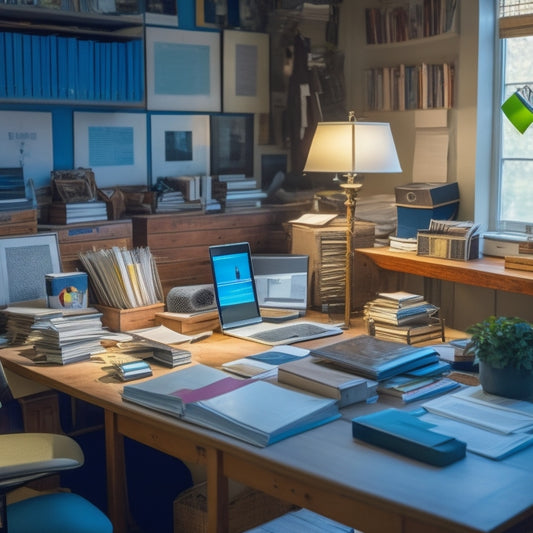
[76,238]
[179,242]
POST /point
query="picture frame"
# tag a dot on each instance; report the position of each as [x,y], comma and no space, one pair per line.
[182,70]
[24,262]
[113,145]
[246,85]
[180,145]
[232,144]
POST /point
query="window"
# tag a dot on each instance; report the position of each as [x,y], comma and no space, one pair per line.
[515,185]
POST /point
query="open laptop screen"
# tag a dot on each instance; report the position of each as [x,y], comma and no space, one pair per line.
[234,285]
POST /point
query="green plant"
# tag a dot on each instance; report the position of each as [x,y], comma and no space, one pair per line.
[503,342]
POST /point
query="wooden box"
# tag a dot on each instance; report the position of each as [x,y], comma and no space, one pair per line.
[18,222]
[189,324]
[130,319]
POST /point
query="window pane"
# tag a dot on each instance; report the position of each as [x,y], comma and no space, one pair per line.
[516,179]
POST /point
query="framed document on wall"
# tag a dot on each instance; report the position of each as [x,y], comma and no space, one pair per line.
[180,145]
[182,70]
[246,66]
[232,144]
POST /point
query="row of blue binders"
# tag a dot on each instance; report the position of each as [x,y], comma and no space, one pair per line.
[68,68]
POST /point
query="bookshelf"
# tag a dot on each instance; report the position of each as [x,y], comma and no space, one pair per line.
[53,56]
[410,54]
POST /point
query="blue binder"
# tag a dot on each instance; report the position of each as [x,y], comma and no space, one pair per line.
[36,66]
[406,434]
[10,69]
[62,67]
[83,70]
[18,71]
[3,89]
[72,68]
[27,67]
[54,70]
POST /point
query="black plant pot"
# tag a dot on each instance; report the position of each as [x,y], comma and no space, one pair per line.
[506,382]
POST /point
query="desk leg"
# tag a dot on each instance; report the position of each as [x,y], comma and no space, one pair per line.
[117,498]
[217,494]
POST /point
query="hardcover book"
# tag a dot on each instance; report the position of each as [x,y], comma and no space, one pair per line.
[308,374]
[375,358]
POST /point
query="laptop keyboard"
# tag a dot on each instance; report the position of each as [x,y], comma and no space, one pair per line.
[289,332]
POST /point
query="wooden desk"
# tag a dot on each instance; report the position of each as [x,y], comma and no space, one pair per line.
[323,469]
[488,272]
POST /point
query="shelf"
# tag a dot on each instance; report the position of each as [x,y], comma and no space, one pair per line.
[487,272]
[39,19]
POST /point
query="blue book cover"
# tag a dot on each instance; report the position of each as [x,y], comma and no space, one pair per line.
[36,64]
[18,70]
[72,68]
[3,90]
[54,71]
[91,70]
[97,70]
[106,71]
[46,66]
[62,67]
[114,72]
[130,70]
[83,70]
[27,67]
[122,79]
[138,75]
[10,70]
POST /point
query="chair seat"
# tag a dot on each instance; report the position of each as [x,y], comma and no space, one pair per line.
[51,513]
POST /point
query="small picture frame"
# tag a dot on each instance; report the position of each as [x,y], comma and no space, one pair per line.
[24,262]
[232,144]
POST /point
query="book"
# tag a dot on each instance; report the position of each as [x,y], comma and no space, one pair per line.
[254,411]
[302,520]
[375,358]
[308,374]
[60,213]
[265,364]
[409,389]
[410,333]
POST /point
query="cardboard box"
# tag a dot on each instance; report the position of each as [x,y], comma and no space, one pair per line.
[130,319]
[412,219]
[426,194]
[67,290]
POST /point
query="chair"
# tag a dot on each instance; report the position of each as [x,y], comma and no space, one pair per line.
[25,457]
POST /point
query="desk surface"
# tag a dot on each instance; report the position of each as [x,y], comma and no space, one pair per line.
[324,469]
[488,272]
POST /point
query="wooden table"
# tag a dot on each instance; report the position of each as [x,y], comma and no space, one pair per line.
[488,272]
[324,469]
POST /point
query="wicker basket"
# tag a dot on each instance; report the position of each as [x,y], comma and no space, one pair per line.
[248,509]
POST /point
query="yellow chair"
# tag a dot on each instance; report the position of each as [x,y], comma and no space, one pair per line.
[25,457]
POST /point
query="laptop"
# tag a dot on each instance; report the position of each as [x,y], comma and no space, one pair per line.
[281,284]
[238,304]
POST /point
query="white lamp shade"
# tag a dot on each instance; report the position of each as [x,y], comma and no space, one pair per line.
[358,147]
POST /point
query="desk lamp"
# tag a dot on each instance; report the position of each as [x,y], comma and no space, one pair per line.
[350,148]
[519,108]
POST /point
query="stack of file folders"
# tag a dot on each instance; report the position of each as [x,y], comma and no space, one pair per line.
[403,317]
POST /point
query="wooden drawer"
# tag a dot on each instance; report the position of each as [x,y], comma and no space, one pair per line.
[76,238]
[18,222]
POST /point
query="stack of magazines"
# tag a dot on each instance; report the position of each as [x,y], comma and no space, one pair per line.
[403,317]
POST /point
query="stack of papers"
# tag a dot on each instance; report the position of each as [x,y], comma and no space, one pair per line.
[302,520]
[492,426]
[67,339]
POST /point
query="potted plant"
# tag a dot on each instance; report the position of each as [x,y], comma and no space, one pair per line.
[503,347]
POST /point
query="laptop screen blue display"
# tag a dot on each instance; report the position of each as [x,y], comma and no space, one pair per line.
[234,284]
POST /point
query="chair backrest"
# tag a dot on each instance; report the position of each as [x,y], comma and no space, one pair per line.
[5,391]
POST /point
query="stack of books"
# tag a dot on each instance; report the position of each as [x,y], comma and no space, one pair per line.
[404,317]
[62,213]
[67,339]
[242,191]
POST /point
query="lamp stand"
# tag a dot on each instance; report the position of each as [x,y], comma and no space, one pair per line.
[351,190]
